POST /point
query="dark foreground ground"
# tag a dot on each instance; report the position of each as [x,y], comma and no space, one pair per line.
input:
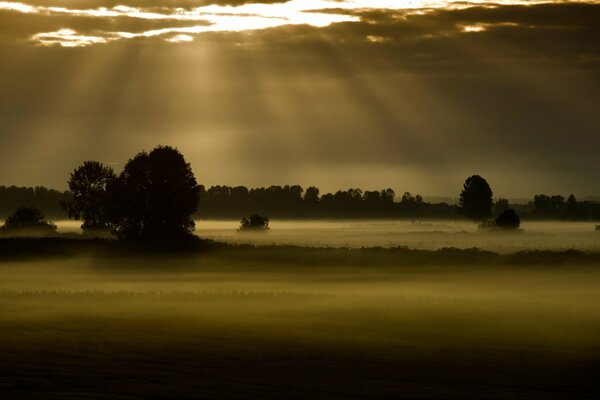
[298,323]
[217,367]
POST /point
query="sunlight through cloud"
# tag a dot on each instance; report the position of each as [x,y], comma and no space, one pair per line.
[245,17]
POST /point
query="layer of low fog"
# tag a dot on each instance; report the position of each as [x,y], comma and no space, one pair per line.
[435,307]
[427,235]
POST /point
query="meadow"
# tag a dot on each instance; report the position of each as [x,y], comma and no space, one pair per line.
[90,320]
[415,234]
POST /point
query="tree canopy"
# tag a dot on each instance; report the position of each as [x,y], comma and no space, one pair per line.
[155,196]
[476,199]
[89,185]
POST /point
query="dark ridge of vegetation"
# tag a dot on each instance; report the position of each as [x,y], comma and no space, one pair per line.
[281,256]
[44,199]
[294,202]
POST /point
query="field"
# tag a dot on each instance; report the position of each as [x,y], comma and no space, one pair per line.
[426,235]
[84,321]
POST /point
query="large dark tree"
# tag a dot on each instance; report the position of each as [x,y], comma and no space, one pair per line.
[89,185]
[28,220]
[476,199]
[155,196]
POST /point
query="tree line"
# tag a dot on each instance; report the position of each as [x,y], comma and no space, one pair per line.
[40,197]
[295,202]
[159,187]
[292,201]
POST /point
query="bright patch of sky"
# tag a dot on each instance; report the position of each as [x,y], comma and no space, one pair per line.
[246,17]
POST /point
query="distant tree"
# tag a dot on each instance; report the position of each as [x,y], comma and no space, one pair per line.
[508,219]
[372,199]
[311,196]
[255,221]
[388,195]
[155,196]
[574,210]
[46,200]
[548,206]
[28,220]
[89,185]
[500,206]
[476,199]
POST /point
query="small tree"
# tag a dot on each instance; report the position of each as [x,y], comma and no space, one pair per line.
[508,220]
[89,185]
[476,199]
[28,220]
[155,196]
[255,221]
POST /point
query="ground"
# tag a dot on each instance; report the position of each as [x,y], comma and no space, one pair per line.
[292,322]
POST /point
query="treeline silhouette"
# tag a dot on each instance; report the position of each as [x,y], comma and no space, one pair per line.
[44,199]
[295,202]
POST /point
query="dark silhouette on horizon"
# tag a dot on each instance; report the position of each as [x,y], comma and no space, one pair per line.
[90,201]
[28,221]
[254,222]
[508,220]
[154,197]
[476,199]
[292,202]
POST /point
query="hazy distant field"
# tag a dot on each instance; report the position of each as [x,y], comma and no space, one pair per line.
[214,327]
[429,234]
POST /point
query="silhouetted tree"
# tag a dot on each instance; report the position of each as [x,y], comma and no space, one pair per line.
[28,220]
[476,199]
[508,220]
[500,206]
[574,210]
[89,185]
[548,206]
[255,221]
[311,196]
[155,196]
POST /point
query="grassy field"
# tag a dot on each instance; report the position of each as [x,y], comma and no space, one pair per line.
[84,320]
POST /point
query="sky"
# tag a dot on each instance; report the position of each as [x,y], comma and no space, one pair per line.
[412,95]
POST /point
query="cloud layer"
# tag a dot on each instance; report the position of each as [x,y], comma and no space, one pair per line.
[230,18]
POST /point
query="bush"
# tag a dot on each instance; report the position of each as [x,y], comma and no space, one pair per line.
[508,220]
[255,221]
[28,221]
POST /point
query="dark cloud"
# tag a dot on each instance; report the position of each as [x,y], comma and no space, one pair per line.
[408,101]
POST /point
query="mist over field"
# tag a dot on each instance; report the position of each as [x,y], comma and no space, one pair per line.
[216,326]
[417,234]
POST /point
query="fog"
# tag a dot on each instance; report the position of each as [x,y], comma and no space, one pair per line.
[265,321]
[426,235]
[454,306]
